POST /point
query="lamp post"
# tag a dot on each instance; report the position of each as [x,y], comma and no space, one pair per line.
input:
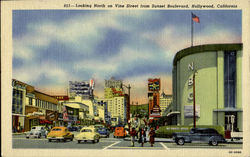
[194,116]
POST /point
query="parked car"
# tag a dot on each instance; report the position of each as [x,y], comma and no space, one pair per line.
[60,133]
[37,131]
[104,132]
[120,132]
[88,134]
[72,128]
[202,135]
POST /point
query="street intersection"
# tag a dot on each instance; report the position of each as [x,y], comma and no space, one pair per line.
[19,141]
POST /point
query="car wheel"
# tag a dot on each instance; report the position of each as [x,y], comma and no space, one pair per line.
[27,137]
[79,141]
[64,140]
[39,136]
[85,140]
[180,141]
[97,140]
[93,141]
[49,140]
[214,143]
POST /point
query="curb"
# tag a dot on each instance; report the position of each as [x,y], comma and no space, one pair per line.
[167,140]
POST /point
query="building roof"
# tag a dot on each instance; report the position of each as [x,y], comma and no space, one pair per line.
[204,48]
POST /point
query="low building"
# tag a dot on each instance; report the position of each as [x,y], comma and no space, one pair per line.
[31,107]
[210,75]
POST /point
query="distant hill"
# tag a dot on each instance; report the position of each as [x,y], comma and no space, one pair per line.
[138,109]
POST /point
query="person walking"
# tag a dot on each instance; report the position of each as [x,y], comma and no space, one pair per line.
[142,136]
[133,134]
[152,136]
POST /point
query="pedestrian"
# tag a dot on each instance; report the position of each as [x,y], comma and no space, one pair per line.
[132,134]
[142,136]
[152,136]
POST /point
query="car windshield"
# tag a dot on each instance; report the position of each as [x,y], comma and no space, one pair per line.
[56,129]
[102,129]
[86,130]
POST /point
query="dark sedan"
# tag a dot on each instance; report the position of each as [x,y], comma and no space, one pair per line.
[201,135]
[104,132]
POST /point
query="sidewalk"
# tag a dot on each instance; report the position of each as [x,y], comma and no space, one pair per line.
[234,141]
[19,133]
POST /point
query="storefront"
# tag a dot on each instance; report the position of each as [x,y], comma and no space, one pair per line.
[209,76]
[18,103]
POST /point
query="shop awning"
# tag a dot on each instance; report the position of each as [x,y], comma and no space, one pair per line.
[76,105]
[173,113]
[228,110]
[45,121]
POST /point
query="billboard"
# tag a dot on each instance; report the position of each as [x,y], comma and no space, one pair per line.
[154,84]
[82,88]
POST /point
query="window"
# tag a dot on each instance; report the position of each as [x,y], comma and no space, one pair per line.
[30,101]
[229,79]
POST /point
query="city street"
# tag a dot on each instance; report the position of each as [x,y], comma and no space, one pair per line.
[20,141]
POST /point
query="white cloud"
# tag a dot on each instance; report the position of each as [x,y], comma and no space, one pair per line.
[33,73]
[22,52]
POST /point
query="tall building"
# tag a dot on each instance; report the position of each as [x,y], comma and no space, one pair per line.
[84,89]
[165,101]
[116,100]
[113,88]
[214,72]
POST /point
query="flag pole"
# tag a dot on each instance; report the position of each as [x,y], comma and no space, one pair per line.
[192,23]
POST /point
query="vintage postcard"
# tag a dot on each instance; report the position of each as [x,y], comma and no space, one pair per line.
[137,78]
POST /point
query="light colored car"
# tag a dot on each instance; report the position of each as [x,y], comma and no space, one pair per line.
[88,134]
[37,131]
[60,133]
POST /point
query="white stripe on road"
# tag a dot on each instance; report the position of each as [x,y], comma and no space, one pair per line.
[111,145]
[28,139]
[164,146]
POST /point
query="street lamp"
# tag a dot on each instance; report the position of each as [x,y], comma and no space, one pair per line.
[194,117]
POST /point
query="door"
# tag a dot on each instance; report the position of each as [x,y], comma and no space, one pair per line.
[231,121]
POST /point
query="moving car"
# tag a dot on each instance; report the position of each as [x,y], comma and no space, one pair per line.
[201,135]
[104,132]
[88,134]
[120,132]
[60,133]
[37,131]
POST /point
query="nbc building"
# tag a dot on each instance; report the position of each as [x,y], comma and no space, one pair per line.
[217,86]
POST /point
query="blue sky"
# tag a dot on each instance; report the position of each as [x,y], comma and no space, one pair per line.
[52,47]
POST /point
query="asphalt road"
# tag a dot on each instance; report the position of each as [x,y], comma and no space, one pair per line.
[19,141]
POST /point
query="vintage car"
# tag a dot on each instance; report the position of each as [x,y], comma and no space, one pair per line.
[37,131]
[200,135]
[72,128]
[104,132]
[60,133]
[120,132]
[88,134]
